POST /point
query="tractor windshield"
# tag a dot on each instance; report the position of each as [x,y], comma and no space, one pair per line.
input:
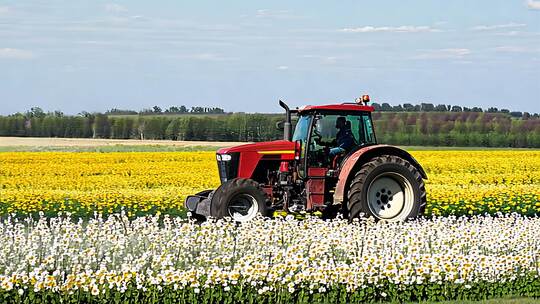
[332,127]
[338,134]
[302,129]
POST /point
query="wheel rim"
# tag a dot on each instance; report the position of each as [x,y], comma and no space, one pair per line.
[243,207]
[390,197]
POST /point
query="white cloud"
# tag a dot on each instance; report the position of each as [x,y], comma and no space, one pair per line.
[455,53]
[275,14]
[463,62]
[509,33]
[210,57]
[4,10]
[391,29]
[322,59]
[533,5]
[516,49]
[9,53]
[282,67]
[205,57]
[497,26]
[115,8]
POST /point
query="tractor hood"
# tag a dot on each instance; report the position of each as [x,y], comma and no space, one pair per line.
[268,147]
[245,158]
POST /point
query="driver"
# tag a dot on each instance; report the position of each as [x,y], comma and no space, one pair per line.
[344,137]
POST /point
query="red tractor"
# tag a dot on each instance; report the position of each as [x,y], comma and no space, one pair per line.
[331,164]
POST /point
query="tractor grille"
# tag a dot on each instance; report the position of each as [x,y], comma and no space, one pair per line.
[229,169]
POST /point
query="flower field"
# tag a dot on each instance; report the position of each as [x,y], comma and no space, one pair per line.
[460,182]
[123,242]
[157,259]
[103,228]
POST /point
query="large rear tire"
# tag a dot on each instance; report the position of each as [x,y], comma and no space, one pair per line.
[240,199]
[388,188]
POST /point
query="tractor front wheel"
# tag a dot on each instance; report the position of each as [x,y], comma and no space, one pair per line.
[240,199]
[388,188]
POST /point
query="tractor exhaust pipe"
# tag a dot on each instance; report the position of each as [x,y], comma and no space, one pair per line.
[287,125]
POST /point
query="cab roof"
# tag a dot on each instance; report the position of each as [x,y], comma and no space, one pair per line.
[337,107]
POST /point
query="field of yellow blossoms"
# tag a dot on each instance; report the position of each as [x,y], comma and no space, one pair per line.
[460,182]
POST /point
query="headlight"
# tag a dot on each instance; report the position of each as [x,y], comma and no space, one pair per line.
[225,157]
[218,157]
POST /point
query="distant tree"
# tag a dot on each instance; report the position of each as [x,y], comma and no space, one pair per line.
[146,111]
[217,111]
[441,108]
[118,128]
[173,129]
[408,107]
[427,107]
[397,108]
[157,109]
[172,109]
[516,114]
[155,127]
[376,106]
[88,124]
[115,111]
[36,112]
[386,107]
[102,126]
[197,110]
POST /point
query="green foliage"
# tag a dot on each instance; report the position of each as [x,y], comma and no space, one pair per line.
[527,286]
[451,129]
[457,129]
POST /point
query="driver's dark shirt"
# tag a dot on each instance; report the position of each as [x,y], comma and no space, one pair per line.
[345,139]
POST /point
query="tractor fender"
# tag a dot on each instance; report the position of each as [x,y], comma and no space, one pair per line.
[360,157]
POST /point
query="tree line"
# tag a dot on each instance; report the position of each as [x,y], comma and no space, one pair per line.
[156,110]
[461,129]
[429,107]
[424,128]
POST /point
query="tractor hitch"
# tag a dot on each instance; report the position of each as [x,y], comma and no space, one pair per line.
[199,203]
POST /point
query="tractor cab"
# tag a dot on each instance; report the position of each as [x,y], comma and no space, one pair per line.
[327,136]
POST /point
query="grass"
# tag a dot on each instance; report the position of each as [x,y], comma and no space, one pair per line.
[43,144]
[106,149]
[493,301]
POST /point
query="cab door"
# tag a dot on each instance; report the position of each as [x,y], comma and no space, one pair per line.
[317,161]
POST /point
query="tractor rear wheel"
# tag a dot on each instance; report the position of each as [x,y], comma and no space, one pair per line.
[240,199]
[387,187]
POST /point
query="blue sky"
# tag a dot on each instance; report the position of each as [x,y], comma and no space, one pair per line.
[245,55]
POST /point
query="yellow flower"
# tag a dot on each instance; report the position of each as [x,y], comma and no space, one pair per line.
[460,182]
